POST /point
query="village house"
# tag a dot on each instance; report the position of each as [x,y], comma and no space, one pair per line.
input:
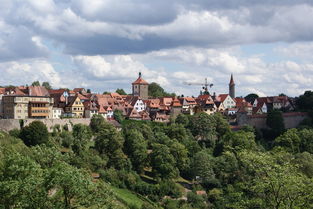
[30,102]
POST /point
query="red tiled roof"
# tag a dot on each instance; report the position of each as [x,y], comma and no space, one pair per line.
[38,91]
[222,97]
[78,90]
[2,90]
[140,81]
[176,103]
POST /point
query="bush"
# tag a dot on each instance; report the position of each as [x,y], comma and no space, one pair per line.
[15,133]
[35,133]
[170,188]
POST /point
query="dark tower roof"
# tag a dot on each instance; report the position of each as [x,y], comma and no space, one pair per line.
[231,82]
[140,80]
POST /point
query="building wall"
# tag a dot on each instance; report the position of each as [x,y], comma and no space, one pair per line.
[17,107]
[140,90]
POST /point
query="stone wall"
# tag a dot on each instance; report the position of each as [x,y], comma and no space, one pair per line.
[9,124]
[291,120]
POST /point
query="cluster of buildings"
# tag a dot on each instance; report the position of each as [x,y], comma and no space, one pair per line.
[39,102]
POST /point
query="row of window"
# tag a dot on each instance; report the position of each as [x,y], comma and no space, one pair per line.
[40,111]
[78,108]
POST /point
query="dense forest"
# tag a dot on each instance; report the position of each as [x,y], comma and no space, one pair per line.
[191,162]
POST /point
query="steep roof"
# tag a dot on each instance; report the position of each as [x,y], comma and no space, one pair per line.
[176,103]
[140,80]
[231,82]
[38,91]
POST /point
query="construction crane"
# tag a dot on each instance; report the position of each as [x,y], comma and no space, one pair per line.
[205,85]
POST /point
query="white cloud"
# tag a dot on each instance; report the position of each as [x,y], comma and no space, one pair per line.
[19,73]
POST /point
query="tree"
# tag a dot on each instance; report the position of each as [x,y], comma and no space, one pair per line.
[306,136]
[135,147]
[237,141]
[109,142]
[290,140]
[36,83]
[275,122]
[251,97]
[276,182]
[162,162]
[82,135]
[202,168]
[97,122]
[182,119]
[202,126]
[21,183]
[88,91]
[155,90]
[35,133]
[180,154]
[305,102]
[118,116]
[120,91]
[221,125]
[47,85]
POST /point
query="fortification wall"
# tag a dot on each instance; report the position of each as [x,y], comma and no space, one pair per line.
[9,124]
[291,120]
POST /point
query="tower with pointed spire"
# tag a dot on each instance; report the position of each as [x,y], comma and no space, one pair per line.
[140,87]
[232,87]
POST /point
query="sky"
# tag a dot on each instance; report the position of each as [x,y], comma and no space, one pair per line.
[103,44]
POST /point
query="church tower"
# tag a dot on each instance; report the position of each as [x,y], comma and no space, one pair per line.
[140,87]
[231,87]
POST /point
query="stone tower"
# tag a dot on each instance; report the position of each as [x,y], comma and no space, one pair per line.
[232,87]
[140,87]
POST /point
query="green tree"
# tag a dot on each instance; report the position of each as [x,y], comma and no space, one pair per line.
[109,142]
[180,154]
[135,147]
[305,102]
[221,125]
[275,122]
[21,183]
[97,122]
[155,90]
[182,119]
[203,128]
[237,141]
[82,135]
[202,165]
[35,133]
[290,140]
[46,85]
[163,162]
[251,97]
[36,83]
[118,116]
[306,136]
[120,91]
[276,182]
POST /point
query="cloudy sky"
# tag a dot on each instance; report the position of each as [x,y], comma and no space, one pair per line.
[103,44]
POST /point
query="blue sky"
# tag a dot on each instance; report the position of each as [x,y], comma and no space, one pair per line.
[103,44]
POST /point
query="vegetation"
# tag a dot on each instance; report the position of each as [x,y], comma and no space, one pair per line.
[155,90]
[193,162]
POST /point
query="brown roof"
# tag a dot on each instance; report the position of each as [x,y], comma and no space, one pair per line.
[38,91]
[140,80]
[2,90]
[176,103]
[222,97]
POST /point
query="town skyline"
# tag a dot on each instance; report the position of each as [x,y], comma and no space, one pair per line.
[104,44]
